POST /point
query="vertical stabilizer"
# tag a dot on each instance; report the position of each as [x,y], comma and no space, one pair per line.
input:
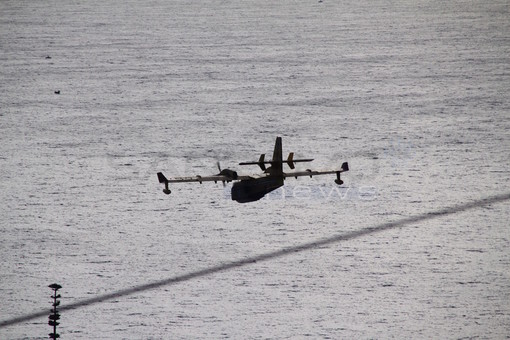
[276,162]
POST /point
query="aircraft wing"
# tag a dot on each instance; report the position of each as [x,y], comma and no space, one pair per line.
[200,179]
[311,173]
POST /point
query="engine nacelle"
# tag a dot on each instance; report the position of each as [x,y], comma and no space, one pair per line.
[229,173]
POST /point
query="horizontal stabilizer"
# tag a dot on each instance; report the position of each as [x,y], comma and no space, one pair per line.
[277,162]
[257,163]
[261,162]
[290,160]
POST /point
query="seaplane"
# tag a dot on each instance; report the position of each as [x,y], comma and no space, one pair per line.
[250,188]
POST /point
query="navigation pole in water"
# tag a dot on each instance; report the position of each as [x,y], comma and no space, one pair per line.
[54,316]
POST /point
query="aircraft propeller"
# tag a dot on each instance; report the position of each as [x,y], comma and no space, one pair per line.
[219,169]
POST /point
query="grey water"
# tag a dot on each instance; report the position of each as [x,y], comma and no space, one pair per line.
[98,96]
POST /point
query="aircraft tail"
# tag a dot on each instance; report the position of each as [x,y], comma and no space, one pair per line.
[276,167]
[276,162]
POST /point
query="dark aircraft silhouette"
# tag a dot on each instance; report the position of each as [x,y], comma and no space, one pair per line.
[254,187]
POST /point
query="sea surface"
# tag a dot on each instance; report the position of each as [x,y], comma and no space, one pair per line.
[413,94]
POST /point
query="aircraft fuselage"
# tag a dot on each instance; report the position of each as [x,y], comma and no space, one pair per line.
[254,189]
